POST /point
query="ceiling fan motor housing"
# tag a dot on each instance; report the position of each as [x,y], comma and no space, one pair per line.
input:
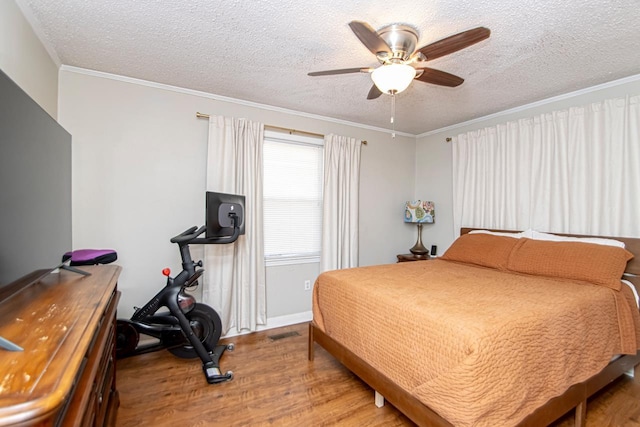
[402,40]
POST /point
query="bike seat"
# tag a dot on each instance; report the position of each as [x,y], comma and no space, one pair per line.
[90,256]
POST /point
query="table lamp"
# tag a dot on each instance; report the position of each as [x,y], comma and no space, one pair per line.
[419,212]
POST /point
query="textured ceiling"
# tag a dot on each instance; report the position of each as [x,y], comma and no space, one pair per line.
[261,50]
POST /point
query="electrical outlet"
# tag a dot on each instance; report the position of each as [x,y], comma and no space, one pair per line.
[307,285]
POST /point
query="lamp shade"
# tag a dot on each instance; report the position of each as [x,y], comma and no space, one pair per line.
[393,78]
[417,211]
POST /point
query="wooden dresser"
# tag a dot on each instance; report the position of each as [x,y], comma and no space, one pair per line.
[66,374]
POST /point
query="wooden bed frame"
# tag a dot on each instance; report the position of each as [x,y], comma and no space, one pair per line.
[574,398]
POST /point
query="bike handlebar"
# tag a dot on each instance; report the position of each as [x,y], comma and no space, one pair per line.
[219,240]
[189,234]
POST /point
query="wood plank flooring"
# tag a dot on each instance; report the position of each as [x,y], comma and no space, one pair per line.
[275,384]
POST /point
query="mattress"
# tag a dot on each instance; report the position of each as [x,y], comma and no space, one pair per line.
[479,346]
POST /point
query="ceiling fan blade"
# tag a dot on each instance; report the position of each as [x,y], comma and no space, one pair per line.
[437,77]
[454,43]
[369,37]
[374,92]
[341,71]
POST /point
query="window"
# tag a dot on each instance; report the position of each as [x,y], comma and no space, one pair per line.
[292,193]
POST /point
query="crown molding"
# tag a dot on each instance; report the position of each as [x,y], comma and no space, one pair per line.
[201,94]
[562,97]
[37,29]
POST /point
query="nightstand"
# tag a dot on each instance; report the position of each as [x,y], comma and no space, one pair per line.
[412,257]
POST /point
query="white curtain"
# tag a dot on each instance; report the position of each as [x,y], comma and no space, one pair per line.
[234,282]
[340,203]
[572,171]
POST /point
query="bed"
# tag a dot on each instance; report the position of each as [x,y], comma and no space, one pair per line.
[503,329]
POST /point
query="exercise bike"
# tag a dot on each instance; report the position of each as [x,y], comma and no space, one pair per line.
[189,329]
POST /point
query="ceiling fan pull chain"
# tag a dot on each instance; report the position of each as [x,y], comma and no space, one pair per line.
[393,115]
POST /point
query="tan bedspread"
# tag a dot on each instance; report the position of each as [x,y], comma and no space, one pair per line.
[478,346]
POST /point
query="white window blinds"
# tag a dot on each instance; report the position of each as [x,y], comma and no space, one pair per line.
[292,192]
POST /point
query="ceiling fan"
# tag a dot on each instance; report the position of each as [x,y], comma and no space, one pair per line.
[395,48]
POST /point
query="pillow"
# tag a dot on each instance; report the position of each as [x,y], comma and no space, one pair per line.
[588,262]
[482,249]
[526,233]
[536,235]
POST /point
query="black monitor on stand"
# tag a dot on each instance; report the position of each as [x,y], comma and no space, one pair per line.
[219,209]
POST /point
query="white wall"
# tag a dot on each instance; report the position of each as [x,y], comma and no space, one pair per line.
[139,178]
[434,154]
[25,60]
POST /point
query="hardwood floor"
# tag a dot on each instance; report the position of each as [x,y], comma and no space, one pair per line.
[275,384]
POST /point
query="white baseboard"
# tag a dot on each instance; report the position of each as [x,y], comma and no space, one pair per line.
[276,322]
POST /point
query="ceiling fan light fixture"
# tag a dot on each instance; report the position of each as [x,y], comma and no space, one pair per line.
[393,78]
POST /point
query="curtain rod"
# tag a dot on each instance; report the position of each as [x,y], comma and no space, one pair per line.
[290,131]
